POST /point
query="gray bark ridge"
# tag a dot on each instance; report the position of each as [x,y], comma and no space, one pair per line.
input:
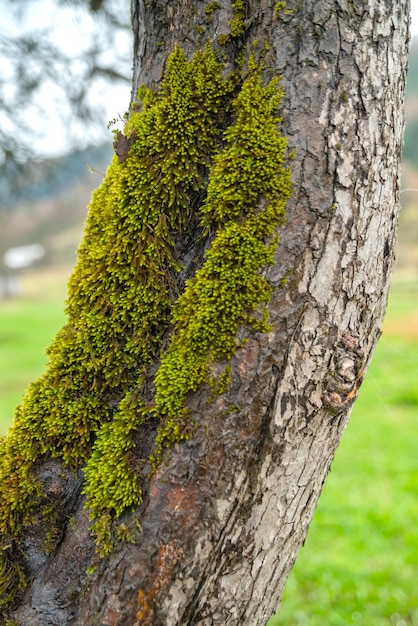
[227,511]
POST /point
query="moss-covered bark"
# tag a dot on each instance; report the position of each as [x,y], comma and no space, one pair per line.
[89,406]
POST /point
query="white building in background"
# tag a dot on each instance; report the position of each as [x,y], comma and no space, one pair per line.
[23,256]
[15,259]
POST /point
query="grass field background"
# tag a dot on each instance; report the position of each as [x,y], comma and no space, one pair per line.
[359,564]
[360,561]
[27,326]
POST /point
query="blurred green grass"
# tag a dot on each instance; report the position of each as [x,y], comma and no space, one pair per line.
[27,327]
[359,564]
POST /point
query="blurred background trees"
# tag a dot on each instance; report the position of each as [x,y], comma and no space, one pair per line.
[408,226]
[65,71]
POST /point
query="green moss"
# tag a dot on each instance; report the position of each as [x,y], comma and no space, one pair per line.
[209,10]
[211,7]
[279,6]
[120,297]
[111,483]
[248,187]
[88,406]
[223,39]
[221,384]
[12,578]
[236,25]
[282,7]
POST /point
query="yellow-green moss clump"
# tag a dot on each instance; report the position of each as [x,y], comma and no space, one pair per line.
[122,289]
[247,191]
[236,25]
[211,7]
[122,295]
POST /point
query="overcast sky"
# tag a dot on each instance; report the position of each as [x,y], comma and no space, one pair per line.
[69,28]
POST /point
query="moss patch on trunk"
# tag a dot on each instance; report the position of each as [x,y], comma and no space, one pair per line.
[200,134]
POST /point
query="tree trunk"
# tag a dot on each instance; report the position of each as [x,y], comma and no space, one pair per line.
[226,511]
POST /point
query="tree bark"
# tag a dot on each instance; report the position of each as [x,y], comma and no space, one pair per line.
[225,513]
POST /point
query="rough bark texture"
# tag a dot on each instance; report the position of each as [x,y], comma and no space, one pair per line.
[225,514]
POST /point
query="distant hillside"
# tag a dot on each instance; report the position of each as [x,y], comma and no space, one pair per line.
[48,178]
[410,150]
[412,78]
[51,208]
